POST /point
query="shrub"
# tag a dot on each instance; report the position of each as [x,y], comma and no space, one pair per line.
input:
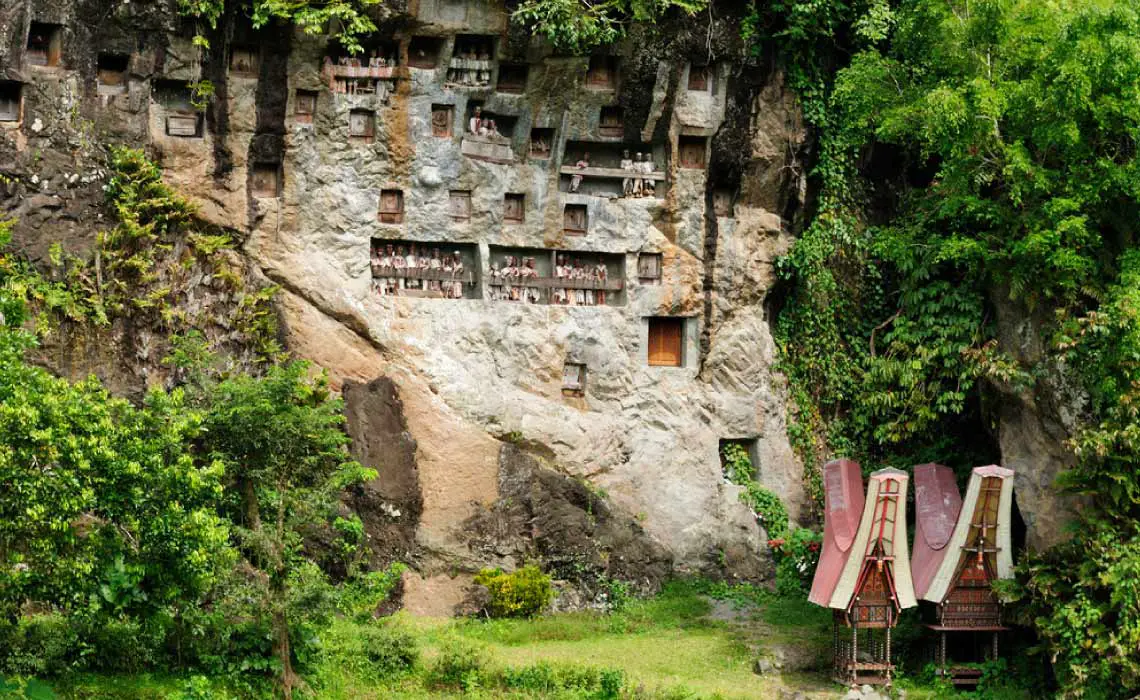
[796,559]
[765,505]
[42,645]
[520,594]
[370,651]
[460,664]
[584,681]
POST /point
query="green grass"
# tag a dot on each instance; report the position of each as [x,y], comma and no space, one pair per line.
[681,644]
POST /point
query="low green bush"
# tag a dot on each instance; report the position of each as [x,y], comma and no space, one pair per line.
[522,593]
[796,558]
[372,651]
[461,664]
[41,645]
[581,681]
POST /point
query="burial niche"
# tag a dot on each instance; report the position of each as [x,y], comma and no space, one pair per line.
[265,180]
[471,61]
[610,122]
[649,268]
[514,207]
[441,119]
[612,169]
[602,73]
[700,78]
[692,151]
[666,341]
[512,78]
[558,277]
[574,379]
[111,73]
[45,44]
[304,106]
[574,219]
[415,269]
[541,142]
[183,120]
[423,52]
[362,125]
[10,101]
[391,207]
[244,59]
[459,205]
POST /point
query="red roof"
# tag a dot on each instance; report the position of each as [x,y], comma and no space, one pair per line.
[937,504]
[843,499]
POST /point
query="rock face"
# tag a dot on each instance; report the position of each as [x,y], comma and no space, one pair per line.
[472,408]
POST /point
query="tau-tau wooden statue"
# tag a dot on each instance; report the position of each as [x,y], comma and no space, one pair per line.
[961,546]
[864,569]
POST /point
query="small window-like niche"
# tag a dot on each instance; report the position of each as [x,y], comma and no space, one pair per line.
[700,78]
[514,207]
[442,117]
[723,205]
[574,219]
[10,101]
[512,78]
[111,71]
[423,52]
[362,125]
[45,44]
[541,142]
[459,205]
[602,73]
[304,106]
[573,379]
[666,341]
[182,118]
[610,123]
[244,60]
[736,455]
[265,180]
[391,207]
[692,151]
[649,268]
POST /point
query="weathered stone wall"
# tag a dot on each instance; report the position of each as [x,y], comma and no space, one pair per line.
[435,386]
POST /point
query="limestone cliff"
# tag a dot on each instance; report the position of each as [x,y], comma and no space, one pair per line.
[319,165]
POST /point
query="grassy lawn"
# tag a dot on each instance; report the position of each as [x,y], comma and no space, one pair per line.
[681,644]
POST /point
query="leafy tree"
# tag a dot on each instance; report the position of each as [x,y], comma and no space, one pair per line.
[348,18]
[577,26]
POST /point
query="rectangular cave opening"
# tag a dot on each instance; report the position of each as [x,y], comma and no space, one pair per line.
[575,220]
[244,60]
[472,61]
[362,125]
[702,78]
[649,268]
[183,119]
[610,123]
[111,73]
[665,341]
[604,176]
[459,205]
[424,269]
[265,180]
[739,459]
[541,142]
[45,44]
[376,52]
[558,277]
[693,151]
[10,93]
[423,52]
[442,117]
[391,207]
[512,78]
[574,379]
[514,207]
[724,203]
[305,105]
[602,73]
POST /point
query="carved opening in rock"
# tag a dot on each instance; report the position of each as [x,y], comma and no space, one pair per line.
[541,142]
[692,151]
[244,60]
[459,205]
[724,203]
[182,118]
[304,106]
[604,176]
[702,78]
[428,270]
[10,92]
[376,53]
[472,61]
[574,219]
[558,277]
[514,207]
[423,51]
[391,207]
[574,379]
[602,73]
[45,45]
[649,268]
[362,125]
[111,73]
[265,180]
[666,341]
[512,78]
[749,445]
[441,119]
[610,123]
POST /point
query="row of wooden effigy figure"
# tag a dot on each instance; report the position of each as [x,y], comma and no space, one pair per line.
[867,577]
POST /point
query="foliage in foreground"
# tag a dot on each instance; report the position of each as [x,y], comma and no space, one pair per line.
[521,593]
[980,155]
